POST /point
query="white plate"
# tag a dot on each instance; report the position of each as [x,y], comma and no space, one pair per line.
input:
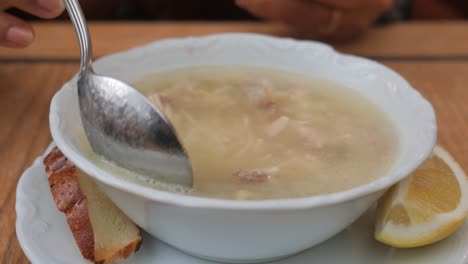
[45,238]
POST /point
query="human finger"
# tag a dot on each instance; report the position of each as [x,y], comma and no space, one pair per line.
[14,32]
[40,8]
[297,12]
[356,4]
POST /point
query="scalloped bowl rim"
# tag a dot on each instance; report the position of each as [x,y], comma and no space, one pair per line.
[204,202]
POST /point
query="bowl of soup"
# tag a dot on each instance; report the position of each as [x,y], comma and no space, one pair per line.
[290,141]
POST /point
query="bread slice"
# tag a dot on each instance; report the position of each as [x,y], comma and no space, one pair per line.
[102,232]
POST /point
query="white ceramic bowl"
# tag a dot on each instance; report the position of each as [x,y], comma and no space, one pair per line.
[251,231]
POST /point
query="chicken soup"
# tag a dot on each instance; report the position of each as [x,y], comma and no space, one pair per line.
[258,133]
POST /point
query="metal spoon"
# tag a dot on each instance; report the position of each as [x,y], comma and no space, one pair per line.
[121,124]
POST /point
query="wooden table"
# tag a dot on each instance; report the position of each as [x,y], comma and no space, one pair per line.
[433,57]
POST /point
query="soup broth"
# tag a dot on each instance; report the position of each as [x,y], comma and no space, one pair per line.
[257,133]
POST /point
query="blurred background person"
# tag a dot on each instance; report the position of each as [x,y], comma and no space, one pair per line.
[319,19]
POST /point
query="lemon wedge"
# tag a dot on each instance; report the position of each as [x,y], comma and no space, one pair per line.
[425,207]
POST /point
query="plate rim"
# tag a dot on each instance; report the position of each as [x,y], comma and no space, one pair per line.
[29,252]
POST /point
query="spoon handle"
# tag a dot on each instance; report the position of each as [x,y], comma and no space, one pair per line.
[82,32]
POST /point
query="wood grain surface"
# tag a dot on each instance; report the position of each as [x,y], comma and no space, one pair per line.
[410,40]
[29,78]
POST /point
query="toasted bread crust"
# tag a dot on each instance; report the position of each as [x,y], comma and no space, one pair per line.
[81,228]
[122,253]
[71,200]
